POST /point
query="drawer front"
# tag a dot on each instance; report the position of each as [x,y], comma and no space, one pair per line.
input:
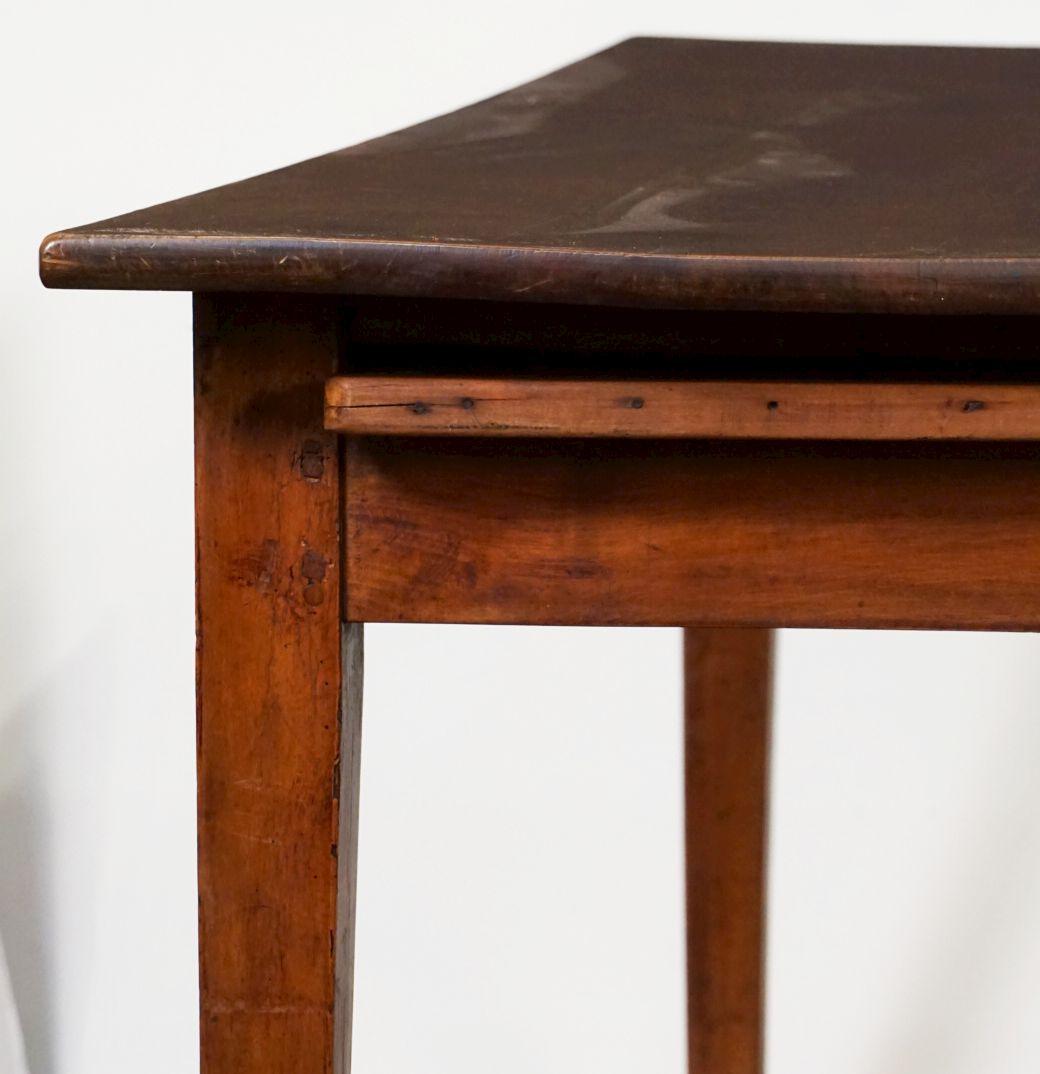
[659,533]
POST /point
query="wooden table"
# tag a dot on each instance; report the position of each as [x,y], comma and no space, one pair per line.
[728,336]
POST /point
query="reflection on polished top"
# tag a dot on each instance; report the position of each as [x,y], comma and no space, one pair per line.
[660,173]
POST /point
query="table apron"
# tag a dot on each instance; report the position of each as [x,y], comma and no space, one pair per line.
[678,533]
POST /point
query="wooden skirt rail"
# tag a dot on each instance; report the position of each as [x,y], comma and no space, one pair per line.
[675,533]
[437,406]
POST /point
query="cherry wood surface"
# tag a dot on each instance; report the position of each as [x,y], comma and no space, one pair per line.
[727,730]
[660,173]
[673,533]
[438,406]
[272,790]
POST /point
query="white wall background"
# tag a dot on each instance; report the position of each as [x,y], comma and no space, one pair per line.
[520,904]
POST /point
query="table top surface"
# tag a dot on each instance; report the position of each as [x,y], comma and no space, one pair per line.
[661,173]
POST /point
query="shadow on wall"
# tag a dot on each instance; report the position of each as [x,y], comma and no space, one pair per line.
[22,850]
[12,1051]
[52,765]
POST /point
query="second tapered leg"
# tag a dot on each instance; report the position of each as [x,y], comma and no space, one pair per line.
[728,690]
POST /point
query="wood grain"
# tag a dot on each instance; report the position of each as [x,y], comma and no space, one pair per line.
[728,689]
[679,533]
[439,406]
[269,684]
[659,174]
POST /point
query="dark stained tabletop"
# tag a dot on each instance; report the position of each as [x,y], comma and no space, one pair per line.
[660,173]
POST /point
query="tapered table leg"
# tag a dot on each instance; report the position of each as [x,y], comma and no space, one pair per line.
[278,693]
[728,686]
